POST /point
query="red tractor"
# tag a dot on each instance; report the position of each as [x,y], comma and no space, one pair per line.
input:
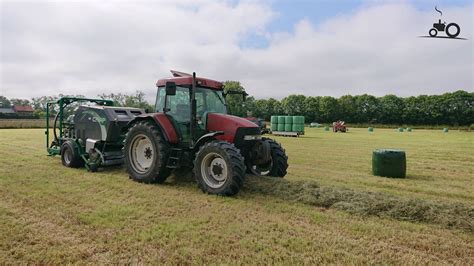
[191,128]
[339,126]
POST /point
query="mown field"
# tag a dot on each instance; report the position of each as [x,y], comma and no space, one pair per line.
[328,209]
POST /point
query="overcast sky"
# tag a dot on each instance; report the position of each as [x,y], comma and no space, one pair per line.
[274,48]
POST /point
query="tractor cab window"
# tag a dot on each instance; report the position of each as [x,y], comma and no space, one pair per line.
[179,104]
[208,100]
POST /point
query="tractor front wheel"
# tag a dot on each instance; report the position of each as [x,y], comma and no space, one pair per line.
[277,165]
[145,153]
[279,159]
[219,168]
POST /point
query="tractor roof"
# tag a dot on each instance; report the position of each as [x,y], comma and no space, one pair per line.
[183,79]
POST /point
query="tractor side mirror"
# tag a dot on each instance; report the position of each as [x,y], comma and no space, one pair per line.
[244,94]
[170,88]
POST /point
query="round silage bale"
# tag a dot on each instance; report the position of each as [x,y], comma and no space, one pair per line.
[288,127]
[298,119]
[370,129]
[281,127]
[389,163]
[274,119]
[326,128]
[288,119]
[445,130]
[274,126]
[409,129]
[298,128]
[400,129]
[281,119]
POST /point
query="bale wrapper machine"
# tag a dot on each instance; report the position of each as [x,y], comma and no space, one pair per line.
[88,135]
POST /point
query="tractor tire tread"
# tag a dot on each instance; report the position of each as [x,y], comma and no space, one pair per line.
[279,157]
[237,168]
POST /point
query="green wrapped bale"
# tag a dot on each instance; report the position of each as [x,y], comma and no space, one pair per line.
[298,119]
[288,127]
[400,129]
[297,128]
[409,129]
[389,163]
[281,127]
[274,126]
[274,119]
[281,119]
[289,120]
[445,130]
[326,128]
[370,129]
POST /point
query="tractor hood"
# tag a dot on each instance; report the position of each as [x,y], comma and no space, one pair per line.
[230,125]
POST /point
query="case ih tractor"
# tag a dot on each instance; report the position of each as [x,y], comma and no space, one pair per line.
[191,128]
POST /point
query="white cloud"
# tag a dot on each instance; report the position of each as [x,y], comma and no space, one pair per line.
[89,48]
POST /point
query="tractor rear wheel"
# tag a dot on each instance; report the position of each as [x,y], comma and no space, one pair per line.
[219,168]
[145,153]
[70,156]
[451,34]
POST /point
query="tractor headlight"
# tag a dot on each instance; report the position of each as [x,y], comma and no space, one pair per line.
[252,137]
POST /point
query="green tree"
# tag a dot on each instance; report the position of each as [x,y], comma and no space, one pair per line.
[4,102]
[136,100]
[20,102]
[311,109]
[391,109]
[328,109]
[367,108]
[294,105]
[347,108]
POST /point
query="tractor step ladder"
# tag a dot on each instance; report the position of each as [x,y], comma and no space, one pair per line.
[173,159]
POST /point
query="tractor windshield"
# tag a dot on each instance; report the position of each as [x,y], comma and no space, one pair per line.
[207,100]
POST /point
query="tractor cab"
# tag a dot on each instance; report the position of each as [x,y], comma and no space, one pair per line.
[189,102]
[177,107]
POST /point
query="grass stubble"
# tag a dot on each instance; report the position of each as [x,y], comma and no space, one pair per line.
[327,210]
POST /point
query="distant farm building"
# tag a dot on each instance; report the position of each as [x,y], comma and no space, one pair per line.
[25,110]
[7,111]
[17,111]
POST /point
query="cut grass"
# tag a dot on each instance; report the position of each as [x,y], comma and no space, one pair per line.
[450,215]
[51,214]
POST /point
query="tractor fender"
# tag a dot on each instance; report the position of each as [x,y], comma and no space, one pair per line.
[166,127]
[205,138]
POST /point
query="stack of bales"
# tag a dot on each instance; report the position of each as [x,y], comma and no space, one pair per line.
[298,124]
[287,123]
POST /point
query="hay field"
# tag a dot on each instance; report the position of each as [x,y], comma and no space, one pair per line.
[328,209]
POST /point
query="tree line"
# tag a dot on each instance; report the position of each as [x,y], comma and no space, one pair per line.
[136,99]
[456,108]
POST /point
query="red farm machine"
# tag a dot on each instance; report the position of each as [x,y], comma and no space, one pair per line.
[339,126]
[190,128]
